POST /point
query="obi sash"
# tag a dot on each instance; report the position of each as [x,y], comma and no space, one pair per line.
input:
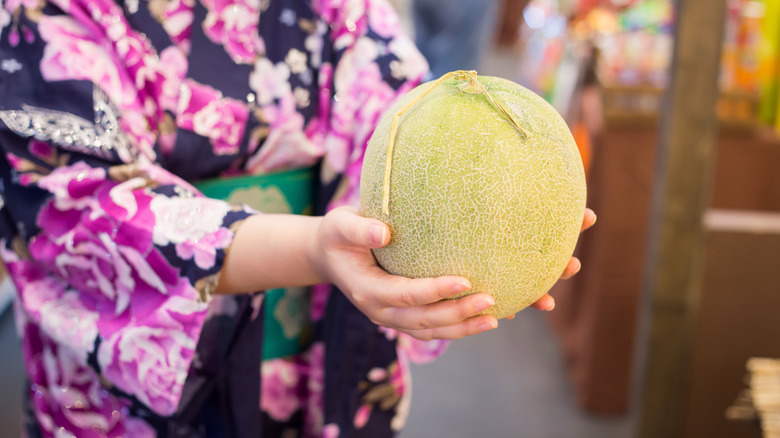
[287,324]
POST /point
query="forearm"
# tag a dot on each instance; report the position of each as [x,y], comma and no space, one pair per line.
[271,251]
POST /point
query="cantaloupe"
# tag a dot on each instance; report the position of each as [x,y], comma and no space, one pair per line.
[484,181]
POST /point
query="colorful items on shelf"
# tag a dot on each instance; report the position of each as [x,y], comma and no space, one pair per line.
[634,42]
[633,39]
[638,51]
[634,46]
[750,66]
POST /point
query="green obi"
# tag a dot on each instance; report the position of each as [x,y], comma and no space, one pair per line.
[287,323]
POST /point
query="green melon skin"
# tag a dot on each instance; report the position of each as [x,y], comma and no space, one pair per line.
[470,196]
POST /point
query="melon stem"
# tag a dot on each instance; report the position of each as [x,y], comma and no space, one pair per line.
[471,76]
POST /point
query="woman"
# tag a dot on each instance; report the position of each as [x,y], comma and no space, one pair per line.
[136,294]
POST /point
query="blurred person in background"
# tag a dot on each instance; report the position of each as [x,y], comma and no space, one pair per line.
[454,34]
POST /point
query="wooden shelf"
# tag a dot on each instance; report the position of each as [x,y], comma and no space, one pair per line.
[640,106]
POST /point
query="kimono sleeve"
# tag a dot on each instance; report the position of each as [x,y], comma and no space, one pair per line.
[113,257]
[113,262]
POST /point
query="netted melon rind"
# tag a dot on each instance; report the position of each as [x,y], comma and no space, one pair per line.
[471,196]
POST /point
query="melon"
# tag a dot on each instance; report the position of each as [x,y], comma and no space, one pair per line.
[479,177]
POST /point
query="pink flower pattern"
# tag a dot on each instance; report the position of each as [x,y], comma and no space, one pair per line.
[205,111]
[149,362]
[280,388]
[177,21]
[234,25]
[67,397]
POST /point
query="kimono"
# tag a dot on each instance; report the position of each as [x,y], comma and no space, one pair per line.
[110,112]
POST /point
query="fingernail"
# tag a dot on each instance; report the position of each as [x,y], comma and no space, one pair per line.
[484,304]
[461,287]
[485,326]
[550,304]
[594,218]
[378,234]
[579,266]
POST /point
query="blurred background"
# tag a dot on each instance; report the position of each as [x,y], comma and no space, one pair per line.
[581,370]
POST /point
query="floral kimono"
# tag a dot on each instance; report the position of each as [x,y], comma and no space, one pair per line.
[110,112]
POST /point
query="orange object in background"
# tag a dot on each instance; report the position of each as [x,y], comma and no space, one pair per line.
[589,120]
[749,37]
[751,56]
[582,138]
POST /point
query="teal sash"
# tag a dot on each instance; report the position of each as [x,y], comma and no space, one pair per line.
[287,324]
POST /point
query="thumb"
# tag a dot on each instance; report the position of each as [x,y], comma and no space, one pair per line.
[355,230]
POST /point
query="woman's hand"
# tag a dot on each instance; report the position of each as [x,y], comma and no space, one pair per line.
[341,254]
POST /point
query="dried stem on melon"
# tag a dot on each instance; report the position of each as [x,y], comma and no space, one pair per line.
[469,76]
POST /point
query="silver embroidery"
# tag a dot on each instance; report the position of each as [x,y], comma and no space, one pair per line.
[72,132]
[2,202]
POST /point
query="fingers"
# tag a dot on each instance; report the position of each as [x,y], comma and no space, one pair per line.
[547,302]
[588,219]
[397,291]
[418,306]
[351,229]
[471,326]
[440,314]
[572,268]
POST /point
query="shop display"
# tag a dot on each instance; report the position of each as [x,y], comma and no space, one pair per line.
[634,43]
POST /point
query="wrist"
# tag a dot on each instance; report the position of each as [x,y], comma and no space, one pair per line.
[314,252]
[272,251]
